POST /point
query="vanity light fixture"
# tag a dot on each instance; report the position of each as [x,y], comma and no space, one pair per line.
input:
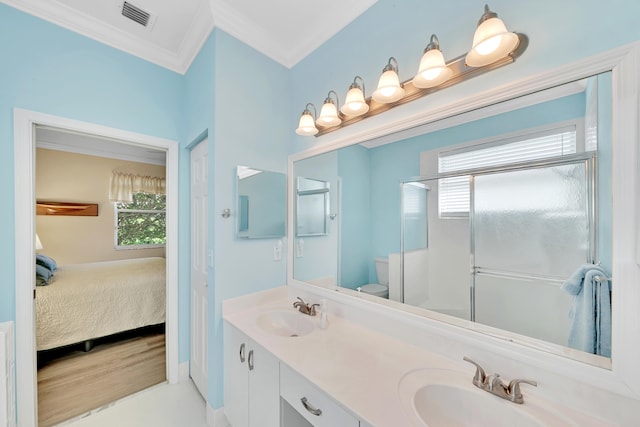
[491,41]
[389,88]
[354,103]
[307,123]
[329,112]
[433,70]
[493,47]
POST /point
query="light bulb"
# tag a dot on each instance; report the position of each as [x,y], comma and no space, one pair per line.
[433,70]
[491,41]
[389,89]
[306,125]
[354,104]
[329,113]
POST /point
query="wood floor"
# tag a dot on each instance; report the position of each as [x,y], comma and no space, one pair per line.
[72,382]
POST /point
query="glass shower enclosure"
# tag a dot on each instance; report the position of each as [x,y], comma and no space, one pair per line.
[529,226]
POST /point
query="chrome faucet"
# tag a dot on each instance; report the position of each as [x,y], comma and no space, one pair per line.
[494,385]
[305,308]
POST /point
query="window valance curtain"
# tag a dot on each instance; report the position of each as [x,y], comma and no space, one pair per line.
[124,185]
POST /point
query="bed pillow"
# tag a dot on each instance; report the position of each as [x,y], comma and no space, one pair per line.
[46,261]
[43,275]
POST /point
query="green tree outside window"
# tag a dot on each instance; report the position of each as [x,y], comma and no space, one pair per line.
[141,223]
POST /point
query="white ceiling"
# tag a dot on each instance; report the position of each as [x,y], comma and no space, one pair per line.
[284,30]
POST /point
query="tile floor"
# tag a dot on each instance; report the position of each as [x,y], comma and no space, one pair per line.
[164,405]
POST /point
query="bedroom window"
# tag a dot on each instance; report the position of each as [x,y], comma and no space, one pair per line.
[141,223]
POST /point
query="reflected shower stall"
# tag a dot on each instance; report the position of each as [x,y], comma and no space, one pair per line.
[500,260]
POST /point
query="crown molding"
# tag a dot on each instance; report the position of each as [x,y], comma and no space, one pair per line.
[251,33]
[88,26]
[196,37]
[230,21]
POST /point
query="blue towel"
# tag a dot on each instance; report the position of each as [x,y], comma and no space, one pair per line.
[43,275]
[591,310]
[46,261]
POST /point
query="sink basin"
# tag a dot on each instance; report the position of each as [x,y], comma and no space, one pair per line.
[285,323]
[447,398]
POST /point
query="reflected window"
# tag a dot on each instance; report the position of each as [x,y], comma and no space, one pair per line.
[453,193]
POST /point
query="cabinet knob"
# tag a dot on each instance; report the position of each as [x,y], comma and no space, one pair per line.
[313,410]
[250,360]
[241,353]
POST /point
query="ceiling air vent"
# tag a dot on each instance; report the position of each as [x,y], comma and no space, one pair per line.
[135,14]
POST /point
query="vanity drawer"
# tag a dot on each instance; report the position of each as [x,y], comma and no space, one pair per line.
[321,411]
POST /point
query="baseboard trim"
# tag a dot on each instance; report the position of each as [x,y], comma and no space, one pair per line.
[216,417]
[183,372]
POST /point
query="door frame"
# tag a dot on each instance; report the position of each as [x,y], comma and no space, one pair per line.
[24,122]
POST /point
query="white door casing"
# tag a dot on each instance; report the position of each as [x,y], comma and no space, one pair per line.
[24,208]
[199,250]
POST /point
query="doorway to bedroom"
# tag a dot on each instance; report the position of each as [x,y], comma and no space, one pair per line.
[100,271]
[117,333]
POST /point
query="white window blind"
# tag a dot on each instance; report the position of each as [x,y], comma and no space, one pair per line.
[453,193]
[414,200]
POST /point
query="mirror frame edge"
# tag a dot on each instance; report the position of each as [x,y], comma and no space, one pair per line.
[623,377]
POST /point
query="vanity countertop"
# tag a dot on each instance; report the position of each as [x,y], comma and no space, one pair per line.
[358,367]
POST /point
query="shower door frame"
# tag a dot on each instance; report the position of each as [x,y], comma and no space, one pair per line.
[590,160]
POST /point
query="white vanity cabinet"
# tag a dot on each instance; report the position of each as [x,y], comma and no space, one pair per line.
[251,382]
[314,405]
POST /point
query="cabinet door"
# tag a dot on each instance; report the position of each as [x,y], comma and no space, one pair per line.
[236,390]
[264,389]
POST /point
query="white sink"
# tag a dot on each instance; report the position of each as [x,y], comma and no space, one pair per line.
[447,398]
[285,323]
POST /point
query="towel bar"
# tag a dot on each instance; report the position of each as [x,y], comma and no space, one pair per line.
[602,279]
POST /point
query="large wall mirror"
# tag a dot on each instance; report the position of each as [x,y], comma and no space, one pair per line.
[261,203]
[489,221]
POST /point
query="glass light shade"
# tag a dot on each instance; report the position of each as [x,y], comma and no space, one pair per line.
[389,89]
[432,71]
[328,115]
[306,126]
[491,42]
[354,104]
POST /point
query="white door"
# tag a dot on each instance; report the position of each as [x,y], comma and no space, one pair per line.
[199,250]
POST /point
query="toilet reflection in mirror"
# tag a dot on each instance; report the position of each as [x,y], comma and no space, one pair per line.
[482,217]
[381,287]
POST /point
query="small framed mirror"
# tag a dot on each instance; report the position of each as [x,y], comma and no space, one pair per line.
[312,207]
[261,203]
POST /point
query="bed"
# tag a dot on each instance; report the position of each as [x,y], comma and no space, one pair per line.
[93,300]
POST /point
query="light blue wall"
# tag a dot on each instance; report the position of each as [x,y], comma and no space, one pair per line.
[355,216]
[252,126]
[51,70]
